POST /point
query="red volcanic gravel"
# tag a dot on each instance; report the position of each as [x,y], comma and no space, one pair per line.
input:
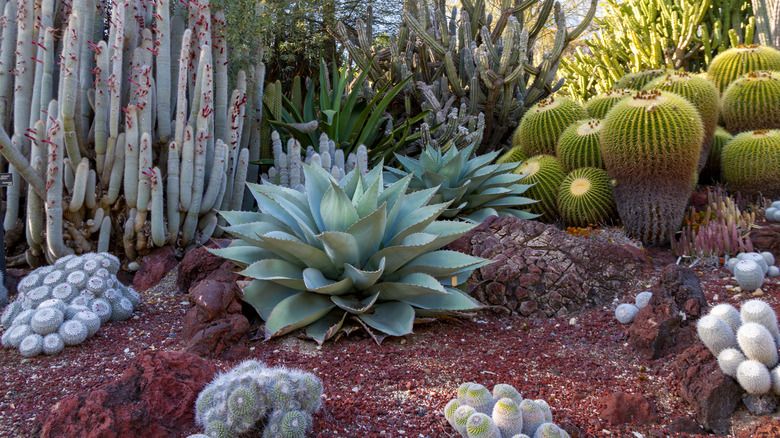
[399,388]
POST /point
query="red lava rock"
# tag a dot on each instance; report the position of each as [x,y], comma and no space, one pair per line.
[570,428]
[767,427]
[712,394]
[767,238]
[660,256]
[684,424]
[198,263]
[154,267]
[155,397]
[682,284]
[541,271]
[214,324]
[621,408]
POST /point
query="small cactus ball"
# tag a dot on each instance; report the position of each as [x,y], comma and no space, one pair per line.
[719,140]
[579,145]
[651,145]
[585,197]
[737,61]
[599,105]
[626,312]
[514,155]
[637,80]
[703,94]
[750,163]
[752,102]
[544,123]
[546,173]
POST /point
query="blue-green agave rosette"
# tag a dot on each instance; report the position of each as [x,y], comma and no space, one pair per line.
[475,188]
[349,248]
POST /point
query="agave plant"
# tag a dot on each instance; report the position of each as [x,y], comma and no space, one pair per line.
[474,188]
[348,249]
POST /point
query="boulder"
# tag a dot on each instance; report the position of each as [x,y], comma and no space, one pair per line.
[154,397]
[685,424]
[215,323]
[621,408]
[767,238]
[154,267]
[712,394]
[197,264]
[541,271]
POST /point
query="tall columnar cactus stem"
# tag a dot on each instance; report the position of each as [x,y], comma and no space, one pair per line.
[128,237]
[163,72]
[104,237]
[131,156]
[19,162]
[24,69]
[187,168]
[220,76]
[7,61]
[158,214]
[79,186]
[235,116]
[13,193]
[215,179]
[181,93]
[34,216]
[69,84]
[240,182]
[54,243]
[172,192]
[117,171]
[144,178]
[86,12]
[198,177]
[102,110]
[143,96]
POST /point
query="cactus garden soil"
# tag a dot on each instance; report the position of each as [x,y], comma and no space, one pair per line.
[399,388]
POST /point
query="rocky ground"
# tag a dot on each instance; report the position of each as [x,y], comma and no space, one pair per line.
[599,378]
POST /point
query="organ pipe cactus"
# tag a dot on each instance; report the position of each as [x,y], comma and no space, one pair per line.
[109,123]
[348,249]
[488,64]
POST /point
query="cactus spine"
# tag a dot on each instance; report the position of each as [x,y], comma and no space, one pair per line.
[750,162]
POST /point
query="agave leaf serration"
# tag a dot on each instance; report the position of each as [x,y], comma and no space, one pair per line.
[349,248]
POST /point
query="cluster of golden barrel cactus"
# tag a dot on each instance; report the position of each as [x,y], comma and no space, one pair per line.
[640,148]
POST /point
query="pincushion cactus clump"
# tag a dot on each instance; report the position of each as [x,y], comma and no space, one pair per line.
[772,214]
[66,303]
[251,396]
[509,416]
[751,356]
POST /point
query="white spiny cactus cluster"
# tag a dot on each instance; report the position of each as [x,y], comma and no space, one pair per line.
[287,170]
[772,213]
[745,343]
[478,413]
[64,304]
[626,312]
[751,268]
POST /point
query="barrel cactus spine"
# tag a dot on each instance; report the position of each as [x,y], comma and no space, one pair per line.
[752,102]
[638,80]
[546,173]
[599,105]
[719,140]
[578,145]
[544,123]
[750,163]
[651,145]
[737,61]
[585,197]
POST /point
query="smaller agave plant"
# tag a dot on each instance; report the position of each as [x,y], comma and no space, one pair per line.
[475,188]
[350,249]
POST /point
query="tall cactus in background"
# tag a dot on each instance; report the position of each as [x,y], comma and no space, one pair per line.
[465,56]
[118,147]
[644,34]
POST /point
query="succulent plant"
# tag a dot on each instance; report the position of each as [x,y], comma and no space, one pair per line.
[738,61]
[31,345]
[533,416]
[716,334]
[474,187]
[543,124]
[578,145]
[750,162]
[507,417]
[479,398]
[719,140]
[749,275]
[599,105]
[46,320]
[757,343]
[550,430]
[703,94]
[643,299]
[502,390]
[52,344]
[638,80]
[626,312]
[752,102]
[651,145]
[348,248]
[546,174]
[753,377]
[514,155]
[729,360]
[762,313]
[585,197]
[480,425]
[10,312]
[728,314]
[461,417]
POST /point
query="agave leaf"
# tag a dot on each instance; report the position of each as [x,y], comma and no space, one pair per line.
[301,216]
[452,170]
[251,231]
[507,201]
[242,255]
[455,193]
[416,221]
[392,174]
[295,312]
[503,180]
[430,158]
[276,270]
[367,203]
[446,232]
[317,282]
[410,164]
[393,318]
[317,182]
[483,174]
[359,189]
[479,162]
[368,233]
[242,217]
[265,295]
[326,327]
[341,248]
[398,255]
[480,215]
[295,251]
[392,194]
[269,206]
[275,192]
[430,179]
[441,264]
[337,210]
[454,300]
[520,214]
[412,285]
[406,204]
[354,305]
[364,279]
[350,182]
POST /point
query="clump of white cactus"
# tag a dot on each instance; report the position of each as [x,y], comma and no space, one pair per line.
[772,213]
[65,303]
[748,276]
[626,312]
[749,355]
[475,413]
